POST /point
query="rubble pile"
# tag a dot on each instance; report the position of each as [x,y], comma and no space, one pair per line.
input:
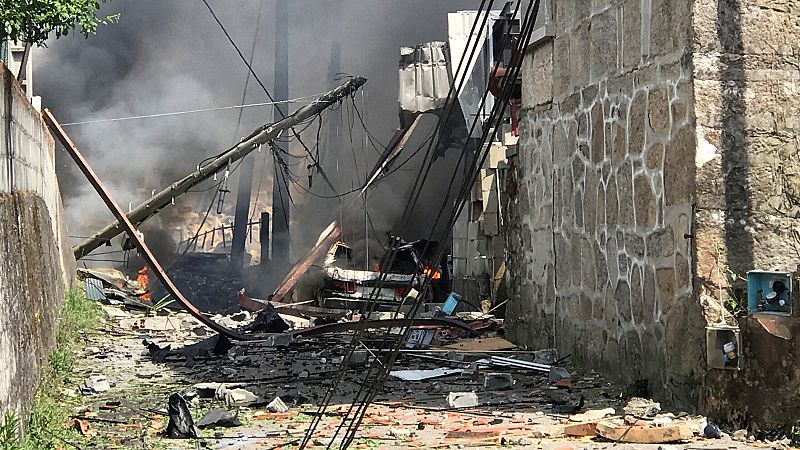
[168,378]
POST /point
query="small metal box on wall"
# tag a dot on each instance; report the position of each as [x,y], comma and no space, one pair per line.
[723,347]
[769,292]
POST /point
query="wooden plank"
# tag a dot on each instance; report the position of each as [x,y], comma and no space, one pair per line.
[483,344]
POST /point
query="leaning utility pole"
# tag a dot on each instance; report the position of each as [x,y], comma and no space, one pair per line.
[258,137]
[280,188]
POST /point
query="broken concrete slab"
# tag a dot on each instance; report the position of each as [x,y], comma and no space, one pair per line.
[592,415]
[277,406]
[581,429]
[642,434]
[236,397]
[95,384]
[462,399]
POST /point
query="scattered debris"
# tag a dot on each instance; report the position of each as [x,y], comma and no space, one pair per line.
[181,425]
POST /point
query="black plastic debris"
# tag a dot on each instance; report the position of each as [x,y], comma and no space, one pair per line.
[181,424]
[222,346]
[218,345]
[219,417]
[267,321]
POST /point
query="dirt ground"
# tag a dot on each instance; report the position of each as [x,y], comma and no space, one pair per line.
[124,405]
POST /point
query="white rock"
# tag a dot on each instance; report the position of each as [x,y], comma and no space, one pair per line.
[277,406]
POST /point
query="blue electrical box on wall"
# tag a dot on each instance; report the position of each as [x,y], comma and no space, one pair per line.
[769,292]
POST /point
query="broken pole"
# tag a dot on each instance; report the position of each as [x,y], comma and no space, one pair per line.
[263,237]
[280,190]
[241,214]
[261,135]
[144,250]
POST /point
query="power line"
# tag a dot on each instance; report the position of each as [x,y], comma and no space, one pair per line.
[388,258]
[193,111]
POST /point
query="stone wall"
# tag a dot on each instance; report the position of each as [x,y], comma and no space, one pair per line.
[36,265]
[601,194]
[747,83]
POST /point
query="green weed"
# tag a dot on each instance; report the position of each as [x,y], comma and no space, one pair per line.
[9,432]
[51,408]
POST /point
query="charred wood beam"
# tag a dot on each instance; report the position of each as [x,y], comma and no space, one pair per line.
[128,227]
[324,243]
[260,136]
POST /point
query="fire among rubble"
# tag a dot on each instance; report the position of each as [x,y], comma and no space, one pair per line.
[143,278]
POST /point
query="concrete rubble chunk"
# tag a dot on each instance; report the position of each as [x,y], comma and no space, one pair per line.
[96,384]
[462,399]
[400,432]
[235,397]
[277,406]
[557,374]
[592,415]
[739,435]
[497,381]
[642,407]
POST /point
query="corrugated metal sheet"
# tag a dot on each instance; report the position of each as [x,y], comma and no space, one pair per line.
[474,72]
[424,77]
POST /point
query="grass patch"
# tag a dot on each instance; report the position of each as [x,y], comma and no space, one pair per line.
[52,408]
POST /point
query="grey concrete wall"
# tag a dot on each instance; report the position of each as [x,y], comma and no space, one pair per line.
[747,83]
[601,195]
[36,265]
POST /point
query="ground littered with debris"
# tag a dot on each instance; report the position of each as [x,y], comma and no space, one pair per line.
[156,381]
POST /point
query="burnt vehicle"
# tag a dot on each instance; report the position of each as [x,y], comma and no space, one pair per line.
[346,286]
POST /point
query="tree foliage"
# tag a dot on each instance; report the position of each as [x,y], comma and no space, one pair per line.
[34,20]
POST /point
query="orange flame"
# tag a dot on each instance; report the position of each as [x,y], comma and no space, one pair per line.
[142,278]
[433,274]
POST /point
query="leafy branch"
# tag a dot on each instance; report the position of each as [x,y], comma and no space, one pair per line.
[34,21]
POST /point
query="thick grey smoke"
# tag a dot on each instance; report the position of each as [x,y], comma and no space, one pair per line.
[170,55]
